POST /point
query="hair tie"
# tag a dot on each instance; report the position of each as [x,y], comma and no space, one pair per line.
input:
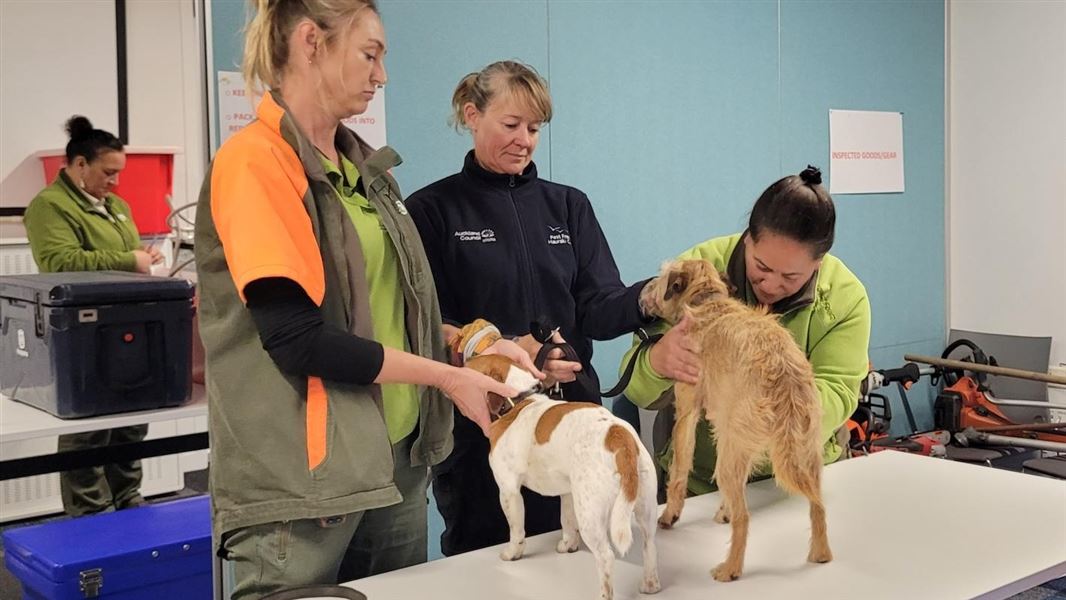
[811,175]
[473,339]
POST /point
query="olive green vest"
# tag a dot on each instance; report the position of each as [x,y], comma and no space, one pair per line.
[259,424]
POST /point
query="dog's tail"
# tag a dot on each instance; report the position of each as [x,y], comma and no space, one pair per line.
[796,452]
[621,442]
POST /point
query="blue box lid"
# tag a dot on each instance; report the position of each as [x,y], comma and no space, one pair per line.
[126,539]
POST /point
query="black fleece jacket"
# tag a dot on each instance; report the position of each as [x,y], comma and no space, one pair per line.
[517,249]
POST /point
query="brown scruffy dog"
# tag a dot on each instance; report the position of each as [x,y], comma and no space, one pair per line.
[757,389]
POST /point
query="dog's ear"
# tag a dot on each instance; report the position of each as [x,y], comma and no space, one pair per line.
[496,404]
[729,287]
[495,366]
[676,283]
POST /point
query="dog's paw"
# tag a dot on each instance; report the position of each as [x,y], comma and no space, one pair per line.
[565,546]
[722,516]
[725,572]
[667,520]
[650,585]
[513,551]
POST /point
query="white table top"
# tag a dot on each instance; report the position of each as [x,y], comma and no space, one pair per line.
[20,421]
[900,526]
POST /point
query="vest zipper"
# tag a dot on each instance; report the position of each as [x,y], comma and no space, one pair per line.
[396,238]
[526,263]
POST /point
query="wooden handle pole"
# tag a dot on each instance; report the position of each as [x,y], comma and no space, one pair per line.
[969,366]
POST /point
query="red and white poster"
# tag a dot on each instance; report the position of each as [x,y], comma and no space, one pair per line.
[371,124]
[236,109]
[865,152]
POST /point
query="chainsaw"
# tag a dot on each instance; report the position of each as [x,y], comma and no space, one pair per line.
[965,412]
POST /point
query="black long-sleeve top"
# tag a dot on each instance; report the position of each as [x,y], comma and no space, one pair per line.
[300,342]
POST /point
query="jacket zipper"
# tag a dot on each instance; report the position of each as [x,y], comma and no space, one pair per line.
[110,216]
[122,232]
[116,224]
[526,263]
[396,238]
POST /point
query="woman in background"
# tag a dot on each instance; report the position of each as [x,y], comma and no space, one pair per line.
[77,224]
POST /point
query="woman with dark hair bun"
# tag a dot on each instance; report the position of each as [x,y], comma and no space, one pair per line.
[780,261]
[77,224]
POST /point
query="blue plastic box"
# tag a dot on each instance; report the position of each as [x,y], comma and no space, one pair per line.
[154,552]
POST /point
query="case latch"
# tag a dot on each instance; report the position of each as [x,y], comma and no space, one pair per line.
[90,581]
[38,315]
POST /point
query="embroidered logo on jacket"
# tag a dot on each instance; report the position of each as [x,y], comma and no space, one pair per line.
[485,236]
[558,235]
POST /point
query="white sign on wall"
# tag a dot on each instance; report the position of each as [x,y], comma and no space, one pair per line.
[236,109]
[865,152]
[371,124]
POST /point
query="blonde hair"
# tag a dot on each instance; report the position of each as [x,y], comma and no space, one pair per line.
[505,76]
[266,37]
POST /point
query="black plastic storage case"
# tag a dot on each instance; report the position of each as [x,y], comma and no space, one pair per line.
[82,344]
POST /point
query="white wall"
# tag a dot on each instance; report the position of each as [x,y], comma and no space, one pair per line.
[1007,174]
[165,73]
[58,58]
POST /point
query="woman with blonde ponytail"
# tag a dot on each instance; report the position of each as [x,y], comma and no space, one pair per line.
[527,254]
[329,390]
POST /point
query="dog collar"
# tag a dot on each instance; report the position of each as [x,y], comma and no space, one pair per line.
[510,403]
[538,388]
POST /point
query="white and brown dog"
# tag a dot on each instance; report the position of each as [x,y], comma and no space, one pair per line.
[585,455]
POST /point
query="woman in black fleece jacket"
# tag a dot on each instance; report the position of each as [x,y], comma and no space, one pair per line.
[526,254]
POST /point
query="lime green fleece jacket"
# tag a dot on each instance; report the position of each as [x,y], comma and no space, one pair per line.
[832,327]
[67,233]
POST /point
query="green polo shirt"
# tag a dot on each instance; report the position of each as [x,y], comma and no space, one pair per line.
[386,295]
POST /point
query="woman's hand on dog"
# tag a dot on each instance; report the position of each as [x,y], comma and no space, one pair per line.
[556,369]
[469,390]
[674,356]
[517,354]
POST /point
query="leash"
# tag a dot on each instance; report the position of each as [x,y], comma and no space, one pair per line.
[586,382]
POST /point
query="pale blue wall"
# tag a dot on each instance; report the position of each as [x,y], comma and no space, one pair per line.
[227,44]
[674,115]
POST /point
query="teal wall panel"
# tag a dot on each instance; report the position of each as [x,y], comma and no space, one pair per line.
[431,46]
[227,45]
[886,56]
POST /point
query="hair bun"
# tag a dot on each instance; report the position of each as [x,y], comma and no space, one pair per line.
[811,175]
[79,127]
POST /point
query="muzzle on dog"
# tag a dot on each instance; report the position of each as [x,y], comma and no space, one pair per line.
[497,367]
[500,406]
